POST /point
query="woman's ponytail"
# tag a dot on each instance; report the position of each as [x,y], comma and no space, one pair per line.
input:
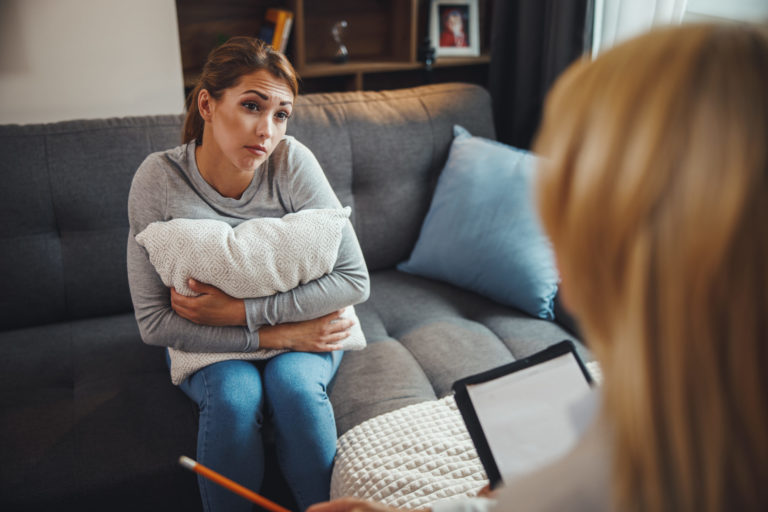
[193,122]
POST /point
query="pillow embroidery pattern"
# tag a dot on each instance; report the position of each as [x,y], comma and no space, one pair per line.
[257,258]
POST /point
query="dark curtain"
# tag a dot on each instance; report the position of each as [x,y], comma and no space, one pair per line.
[532,42]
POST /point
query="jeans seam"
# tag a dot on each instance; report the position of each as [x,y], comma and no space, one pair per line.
[204,486]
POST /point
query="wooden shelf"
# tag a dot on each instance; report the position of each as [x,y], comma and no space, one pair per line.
[382,37]
[351,68]
[444,62]
[376,32]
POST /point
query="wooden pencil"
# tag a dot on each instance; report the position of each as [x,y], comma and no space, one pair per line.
[225,482]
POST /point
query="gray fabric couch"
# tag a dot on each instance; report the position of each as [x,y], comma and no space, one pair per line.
[88,416]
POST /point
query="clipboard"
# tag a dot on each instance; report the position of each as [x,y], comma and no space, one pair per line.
[487,403]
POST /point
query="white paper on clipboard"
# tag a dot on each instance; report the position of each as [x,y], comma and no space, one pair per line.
[535,415]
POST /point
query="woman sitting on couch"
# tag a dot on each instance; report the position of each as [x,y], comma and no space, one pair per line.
[237,164]
[653,189]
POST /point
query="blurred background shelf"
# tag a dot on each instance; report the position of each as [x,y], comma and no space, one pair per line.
[383,38]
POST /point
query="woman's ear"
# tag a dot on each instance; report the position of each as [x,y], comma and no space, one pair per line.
[205,104]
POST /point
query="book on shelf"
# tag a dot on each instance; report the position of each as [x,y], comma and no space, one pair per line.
[276,28]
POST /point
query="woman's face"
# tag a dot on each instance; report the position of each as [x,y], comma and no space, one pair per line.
[249,119]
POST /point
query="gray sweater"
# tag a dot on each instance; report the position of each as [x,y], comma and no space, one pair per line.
[168,185]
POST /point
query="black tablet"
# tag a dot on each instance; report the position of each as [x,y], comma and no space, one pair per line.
[525,414]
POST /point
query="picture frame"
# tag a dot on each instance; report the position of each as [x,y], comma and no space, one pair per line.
[454,28]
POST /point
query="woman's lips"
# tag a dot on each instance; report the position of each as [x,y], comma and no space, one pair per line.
[257,150]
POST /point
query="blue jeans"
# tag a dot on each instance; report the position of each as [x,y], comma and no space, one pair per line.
[235,396]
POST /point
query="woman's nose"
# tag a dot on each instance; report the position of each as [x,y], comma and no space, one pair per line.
[264,126]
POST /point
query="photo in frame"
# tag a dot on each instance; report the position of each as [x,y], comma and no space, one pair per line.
[454,28]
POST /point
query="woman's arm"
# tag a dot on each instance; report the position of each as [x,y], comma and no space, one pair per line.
[302,185]
[214,307]
[350,504]
[346,285]
[158,323]
[322,334]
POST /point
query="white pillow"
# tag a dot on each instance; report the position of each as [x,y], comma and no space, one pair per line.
[257,258]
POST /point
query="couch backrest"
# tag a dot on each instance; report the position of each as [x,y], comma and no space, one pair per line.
[383,151]
[63,219]
[63,215]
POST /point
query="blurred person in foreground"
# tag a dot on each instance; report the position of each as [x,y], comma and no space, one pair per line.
[653,188]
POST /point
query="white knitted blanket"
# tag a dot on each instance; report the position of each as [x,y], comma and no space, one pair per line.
[410,457]
[258,257]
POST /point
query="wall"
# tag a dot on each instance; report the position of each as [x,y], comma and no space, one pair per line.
[618,20]
[719,10]
[75,59]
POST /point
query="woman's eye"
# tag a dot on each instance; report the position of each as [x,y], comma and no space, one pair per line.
[251,105]
[283,116]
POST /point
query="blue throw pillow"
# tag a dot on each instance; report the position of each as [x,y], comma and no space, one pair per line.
[482,231]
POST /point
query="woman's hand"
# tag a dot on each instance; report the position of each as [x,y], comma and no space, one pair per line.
[354,505]
[486,492]
[322,334]
[211,307]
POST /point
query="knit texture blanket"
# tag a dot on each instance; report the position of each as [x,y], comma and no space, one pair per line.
[410,457]
[257,258]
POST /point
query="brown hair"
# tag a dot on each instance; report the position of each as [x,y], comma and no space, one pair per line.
[225,66]
[654,190]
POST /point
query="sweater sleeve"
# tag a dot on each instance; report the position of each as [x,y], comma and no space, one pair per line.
[303,185]
[158,323]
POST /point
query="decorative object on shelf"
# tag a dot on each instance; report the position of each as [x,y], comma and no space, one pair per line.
[342,54]
[427,53]
[454,26]
[276,28]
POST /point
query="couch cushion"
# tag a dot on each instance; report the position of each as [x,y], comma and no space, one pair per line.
[424,335]
[380,378]
[63,205]
[102,412]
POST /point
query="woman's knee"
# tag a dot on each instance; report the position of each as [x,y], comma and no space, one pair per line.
[232,388]
[298,375]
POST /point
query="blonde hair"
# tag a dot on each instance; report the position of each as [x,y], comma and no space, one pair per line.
[654,191]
